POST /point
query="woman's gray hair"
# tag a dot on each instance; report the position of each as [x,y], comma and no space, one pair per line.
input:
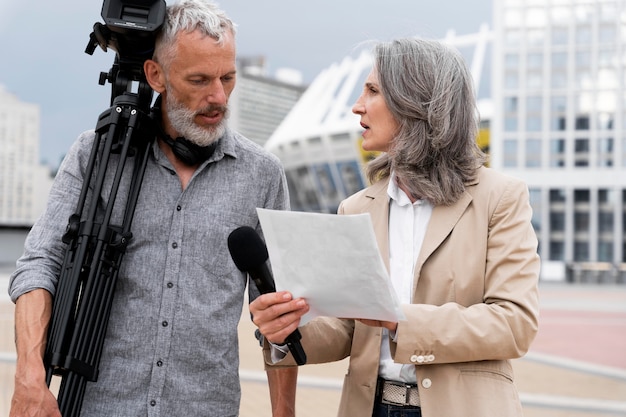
[188,16]
[429,91]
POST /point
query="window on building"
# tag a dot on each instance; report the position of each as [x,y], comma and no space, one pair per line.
[535,60]
[559,59]
[536,18]
[581,251]
[510,153]
[607,33]
[606,196]
[558,108]
[605,221]
[557,250]
[605,251]
[510,104]
[582,196]
[512,37]
[581,222]
[557,195]
[557,153]
[605,120]
[581,152]
[533,153]
[511,61]
[605,152]
[557,221]
[583,35]
[534,80]
[560,15]
[510,123]
[558,79]
[533,114]
[560,35]
[582,122]
[511,80]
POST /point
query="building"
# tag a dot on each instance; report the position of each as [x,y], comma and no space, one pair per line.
[319,142]
[559,123]
[23,181]
[259,103]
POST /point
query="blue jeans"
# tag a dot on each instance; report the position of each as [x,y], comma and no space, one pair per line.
[386,410]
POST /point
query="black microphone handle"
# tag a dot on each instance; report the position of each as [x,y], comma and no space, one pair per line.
[264,282]
[295,347]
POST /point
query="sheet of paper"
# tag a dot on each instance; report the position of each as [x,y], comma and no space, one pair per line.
[332,261]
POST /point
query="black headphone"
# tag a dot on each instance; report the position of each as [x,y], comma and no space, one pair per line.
[188,152]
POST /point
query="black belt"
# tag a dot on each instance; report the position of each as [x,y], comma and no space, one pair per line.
[400,394]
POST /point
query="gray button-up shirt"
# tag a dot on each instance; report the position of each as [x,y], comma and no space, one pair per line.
[171,347]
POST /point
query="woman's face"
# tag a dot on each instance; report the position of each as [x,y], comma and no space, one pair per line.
[379,124]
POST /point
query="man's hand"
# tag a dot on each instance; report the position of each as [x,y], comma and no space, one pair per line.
[32,397]
[277,315]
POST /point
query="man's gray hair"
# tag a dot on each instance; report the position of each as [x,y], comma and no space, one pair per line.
[188,16]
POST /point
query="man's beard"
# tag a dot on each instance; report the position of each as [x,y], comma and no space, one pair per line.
[182,120]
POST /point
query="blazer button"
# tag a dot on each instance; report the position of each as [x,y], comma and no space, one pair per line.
[426,383]
[430,358]
[414,358]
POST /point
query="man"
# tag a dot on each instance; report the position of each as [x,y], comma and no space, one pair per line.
[171,347]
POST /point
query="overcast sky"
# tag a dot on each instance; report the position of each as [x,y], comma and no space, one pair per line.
[42,44]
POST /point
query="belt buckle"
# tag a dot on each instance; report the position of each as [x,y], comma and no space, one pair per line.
[401,393]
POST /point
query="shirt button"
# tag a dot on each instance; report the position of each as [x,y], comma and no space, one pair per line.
[164,323]
[174,245]
[426,382]
[153,403]
[170,285]
[159,363]
[178,208]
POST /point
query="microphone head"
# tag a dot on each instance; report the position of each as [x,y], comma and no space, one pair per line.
[247,248]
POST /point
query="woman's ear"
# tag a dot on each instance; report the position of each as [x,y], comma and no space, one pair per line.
[154,75]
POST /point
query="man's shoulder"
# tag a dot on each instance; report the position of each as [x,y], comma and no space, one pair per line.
[249,150]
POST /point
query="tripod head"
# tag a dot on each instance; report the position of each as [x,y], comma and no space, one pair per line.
[130,29]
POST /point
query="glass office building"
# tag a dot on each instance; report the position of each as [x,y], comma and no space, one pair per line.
[559,123]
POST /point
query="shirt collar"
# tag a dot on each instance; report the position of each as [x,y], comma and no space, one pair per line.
[396,194]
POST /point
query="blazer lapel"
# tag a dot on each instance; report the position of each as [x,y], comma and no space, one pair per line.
[442,221]
[378,208]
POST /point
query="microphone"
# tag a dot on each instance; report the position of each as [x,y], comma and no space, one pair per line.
[250,255]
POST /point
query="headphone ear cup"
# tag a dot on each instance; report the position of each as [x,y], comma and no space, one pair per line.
[184,153]
[190,153]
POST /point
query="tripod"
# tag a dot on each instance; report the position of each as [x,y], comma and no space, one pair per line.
[95,247]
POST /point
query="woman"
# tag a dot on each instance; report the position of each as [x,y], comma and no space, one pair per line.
[458,244]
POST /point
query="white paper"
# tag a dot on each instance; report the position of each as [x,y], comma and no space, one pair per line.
[332,261]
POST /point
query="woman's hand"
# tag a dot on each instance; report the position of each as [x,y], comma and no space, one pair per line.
[277,315]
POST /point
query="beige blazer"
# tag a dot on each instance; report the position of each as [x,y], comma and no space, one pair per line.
[475,305]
